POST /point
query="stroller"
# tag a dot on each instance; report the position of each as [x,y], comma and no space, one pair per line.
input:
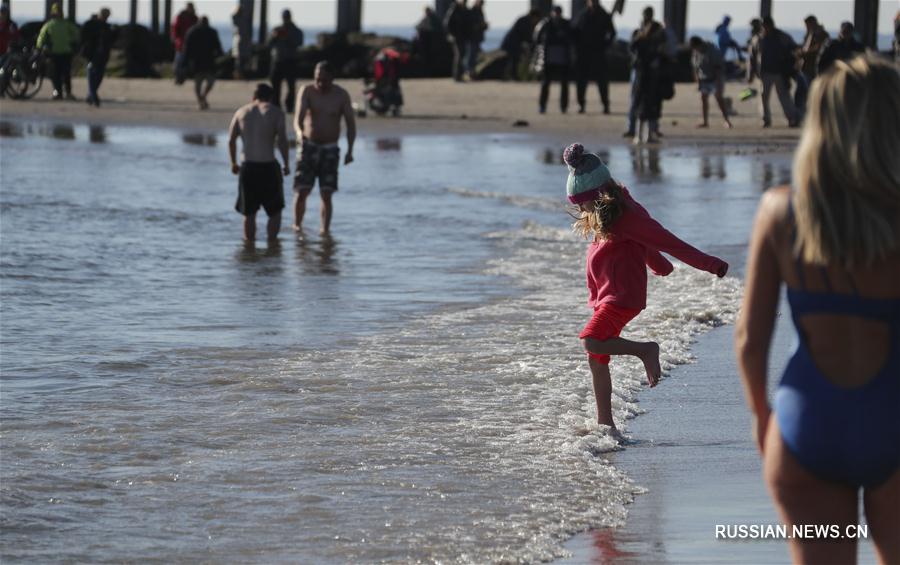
[383,92]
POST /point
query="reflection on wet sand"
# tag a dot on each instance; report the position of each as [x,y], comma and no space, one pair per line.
[606,546]
[769,176]
[645,162]
[65,132]
[712,166]
[388,144]
[97,134]
[62,131]
[10,129]
[553,156]
[250,253]
[204,139]
[318,256]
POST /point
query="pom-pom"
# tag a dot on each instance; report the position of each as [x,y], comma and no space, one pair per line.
[573,155]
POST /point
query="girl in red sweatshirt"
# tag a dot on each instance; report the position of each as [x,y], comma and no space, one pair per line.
[625,240]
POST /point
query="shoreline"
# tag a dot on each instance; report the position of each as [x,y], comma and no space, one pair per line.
[432,106]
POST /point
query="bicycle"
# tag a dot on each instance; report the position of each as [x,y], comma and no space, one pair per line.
[22,73]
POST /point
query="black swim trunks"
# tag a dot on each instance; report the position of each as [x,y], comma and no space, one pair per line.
[317,161]
[260,184]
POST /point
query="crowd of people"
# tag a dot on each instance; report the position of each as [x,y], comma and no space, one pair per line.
[552,48]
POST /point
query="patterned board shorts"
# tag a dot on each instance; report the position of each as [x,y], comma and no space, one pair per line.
[317,161]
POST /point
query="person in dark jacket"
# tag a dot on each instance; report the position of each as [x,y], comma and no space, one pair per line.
[97,41]
[554,35]
[594,33]
[201,49]
[476,25]
[646,20]
[777,64]
[430,38]
[843,48]
[649,48]
[813,43]
[456,25]
[284,47]
[518,41]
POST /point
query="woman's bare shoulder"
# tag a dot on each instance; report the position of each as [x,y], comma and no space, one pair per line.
[775,209]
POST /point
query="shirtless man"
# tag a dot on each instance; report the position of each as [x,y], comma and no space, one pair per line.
[259,124]
[320,107]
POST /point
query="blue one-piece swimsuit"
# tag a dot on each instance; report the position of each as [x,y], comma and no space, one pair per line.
[850,435]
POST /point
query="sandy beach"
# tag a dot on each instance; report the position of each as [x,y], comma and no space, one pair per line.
[431,106]
[671,521]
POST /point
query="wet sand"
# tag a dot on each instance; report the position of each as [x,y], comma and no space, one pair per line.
[432,106]
[696,457]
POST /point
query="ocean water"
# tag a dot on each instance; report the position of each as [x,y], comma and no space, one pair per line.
[411,389]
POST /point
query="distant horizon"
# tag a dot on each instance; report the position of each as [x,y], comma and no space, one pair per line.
[322,14]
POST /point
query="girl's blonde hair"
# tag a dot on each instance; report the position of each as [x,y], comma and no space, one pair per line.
[847,166]
[595,218]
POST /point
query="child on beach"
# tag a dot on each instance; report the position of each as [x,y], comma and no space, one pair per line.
[625,240]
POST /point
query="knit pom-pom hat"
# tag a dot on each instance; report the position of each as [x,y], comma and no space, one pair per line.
[588,176]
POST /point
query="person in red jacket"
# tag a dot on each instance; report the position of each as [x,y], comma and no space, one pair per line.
[9,31]
[9,37]
[625,241]
[184,21]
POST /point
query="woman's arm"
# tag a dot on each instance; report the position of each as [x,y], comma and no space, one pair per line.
[753,333]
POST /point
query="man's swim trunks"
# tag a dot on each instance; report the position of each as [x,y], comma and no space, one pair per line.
[607,322]
[317,161]
[260,184]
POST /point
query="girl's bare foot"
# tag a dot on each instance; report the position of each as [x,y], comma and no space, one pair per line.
[728,124]
[651,363]
[701,125]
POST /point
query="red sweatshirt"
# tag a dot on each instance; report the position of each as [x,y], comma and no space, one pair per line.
[617,267]
[184,21]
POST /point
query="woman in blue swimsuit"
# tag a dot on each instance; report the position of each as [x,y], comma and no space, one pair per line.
[834,241]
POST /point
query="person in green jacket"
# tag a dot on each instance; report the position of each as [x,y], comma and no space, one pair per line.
[60,38]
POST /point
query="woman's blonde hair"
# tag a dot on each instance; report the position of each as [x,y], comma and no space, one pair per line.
[847,166]
[596,217]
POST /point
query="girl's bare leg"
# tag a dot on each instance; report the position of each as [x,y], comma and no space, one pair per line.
[602,391]
[646,351]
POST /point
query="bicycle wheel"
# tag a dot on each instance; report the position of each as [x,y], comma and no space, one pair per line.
[35,77]
[16,79]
